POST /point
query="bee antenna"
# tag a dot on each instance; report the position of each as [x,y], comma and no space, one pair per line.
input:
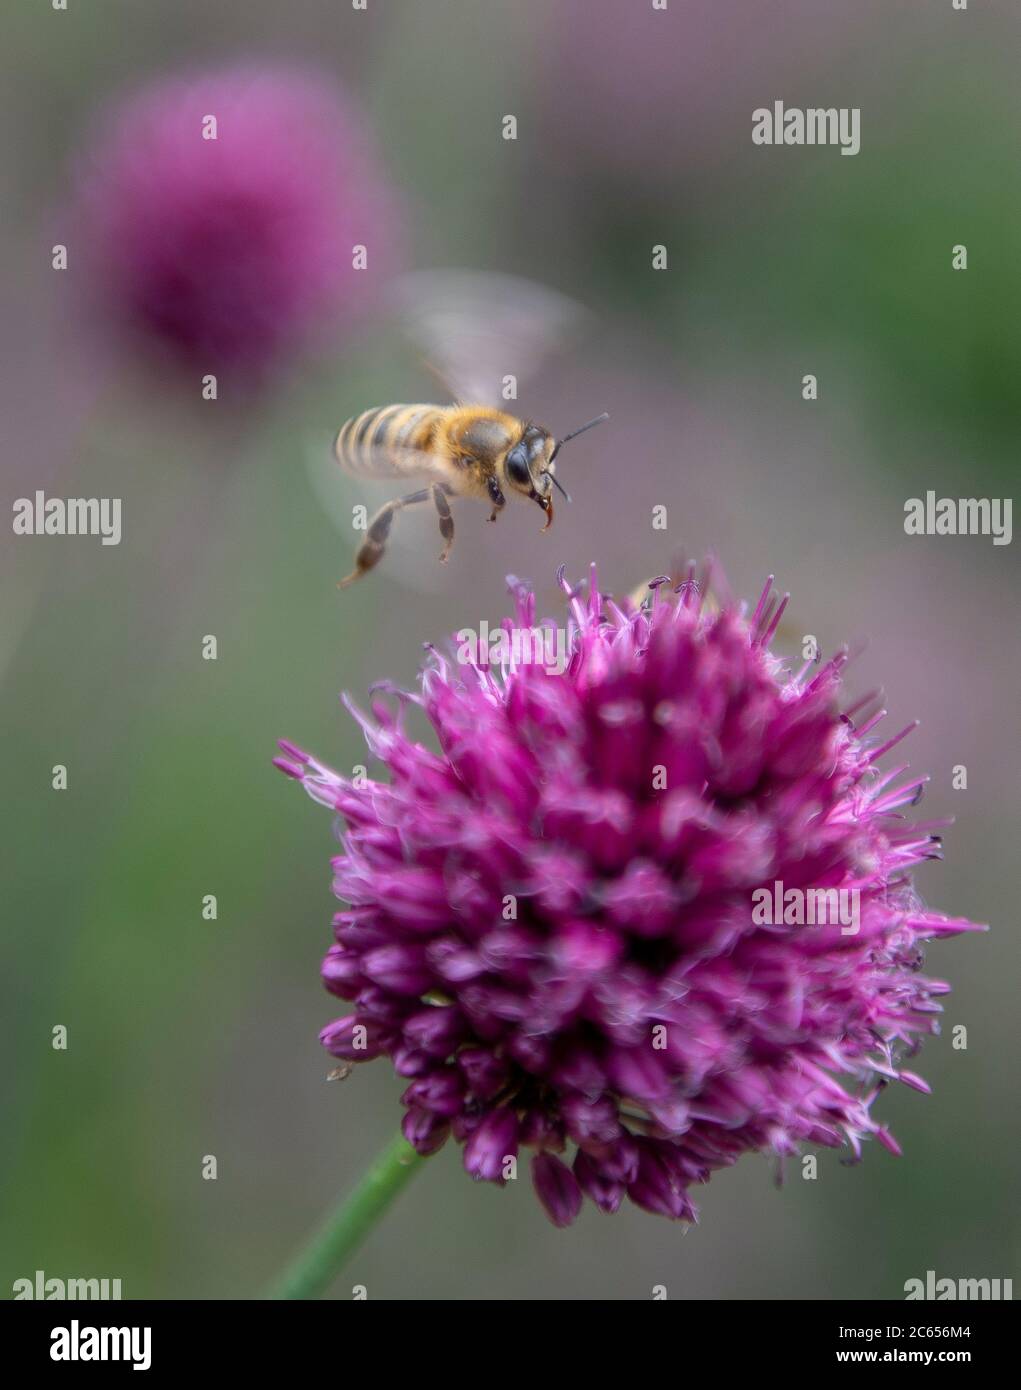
[574,433]
[556,483]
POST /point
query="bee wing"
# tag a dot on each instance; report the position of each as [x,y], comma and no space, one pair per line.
[475,328]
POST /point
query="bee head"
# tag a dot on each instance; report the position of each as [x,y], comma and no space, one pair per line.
[529,465]
[526,462]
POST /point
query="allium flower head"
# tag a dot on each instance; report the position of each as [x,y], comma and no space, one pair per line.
[551,926]
[227,246]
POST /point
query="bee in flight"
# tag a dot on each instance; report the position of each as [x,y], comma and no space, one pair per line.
[473,451]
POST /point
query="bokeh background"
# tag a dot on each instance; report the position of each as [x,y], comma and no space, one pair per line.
[191,1037]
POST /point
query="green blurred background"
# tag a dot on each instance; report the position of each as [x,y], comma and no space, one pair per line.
[190,1037]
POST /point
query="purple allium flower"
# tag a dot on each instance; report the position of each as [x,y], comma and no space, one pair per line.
[227,254]
[551,926]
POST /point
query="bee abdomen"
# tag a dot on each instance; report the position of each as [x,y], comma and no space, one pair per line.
[376,442]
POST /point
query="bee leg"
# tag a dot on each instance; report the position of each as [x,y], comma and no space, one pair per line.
[497,498]
[370,552]
[446,520]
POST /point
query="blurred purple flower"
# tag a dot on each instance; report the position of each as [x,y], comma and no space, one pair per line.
[231,254]
[551,928]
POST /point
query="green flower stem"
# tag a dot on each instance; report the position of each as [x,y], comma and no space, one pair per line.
[347,1226]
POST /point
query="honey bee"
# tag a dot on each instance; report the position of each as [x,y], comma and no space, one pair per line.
[467,450]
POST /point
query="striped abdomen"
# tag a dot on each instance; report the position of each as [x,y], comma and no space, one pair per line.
[379,442]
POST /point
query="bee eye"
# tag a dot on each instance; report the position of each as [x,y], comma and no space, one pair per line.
[517,466]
